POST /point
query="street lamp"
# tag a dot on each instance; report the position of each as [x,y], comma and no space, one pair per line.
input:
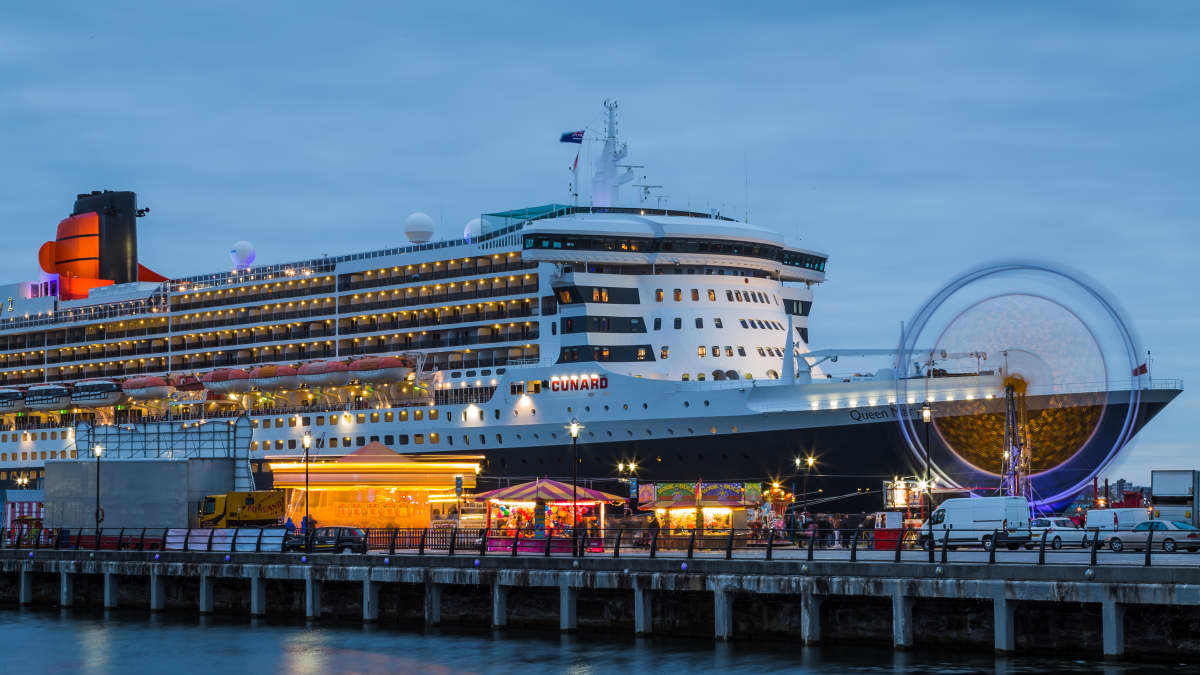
[574,427]
[307,445]
[809,461]
[98,450]
[927,418]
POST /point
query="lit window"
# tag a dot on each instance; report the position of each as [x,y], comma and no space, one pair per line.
[345,441]
[664,352]
[712,295]
[700,376]
[387,417]
[433,437]
[701,350]
[761,352]
[678,294]
[402,415]
[695,295]
[641,353]
[716,351]
[739,295]
[374,417]
[419,439]
[433,413]
[658,295]
[266,424]
[686,377]
[728,350]
[418,414]
[320,420]
[361,418]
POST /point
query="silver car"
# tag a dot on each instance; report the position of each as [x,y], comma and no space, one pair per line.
[1169,535]
[1058,532]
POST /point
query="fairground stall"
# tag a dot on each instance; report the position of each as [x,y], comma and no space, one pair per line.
[374,486]
[530,513]
[709,510]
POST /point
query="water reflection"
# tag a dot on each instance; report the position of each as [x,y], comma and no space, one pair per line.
[120,642]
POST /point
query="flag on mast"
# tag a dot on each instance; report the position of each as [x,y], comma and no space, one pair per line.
[572,137]
[574,165]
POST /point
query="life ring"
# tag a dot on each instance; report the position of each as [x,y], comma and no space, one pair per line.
[99,515]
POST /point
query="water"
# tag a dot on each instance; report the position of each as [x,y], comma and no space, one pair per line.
[83,641]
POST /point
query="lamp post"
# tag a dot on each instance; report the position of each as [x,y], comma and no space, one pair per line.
[927,418]
[809,461]
[307,445]
[574,427]
[98,450]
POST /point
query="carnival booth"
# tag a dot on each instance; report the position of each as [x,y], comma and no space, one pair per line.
[708,509]
[533,514]
[374,486]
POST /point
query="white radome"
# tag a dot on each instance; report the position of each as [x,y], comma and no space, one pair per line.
[418,227]
[473,229]
[242,254]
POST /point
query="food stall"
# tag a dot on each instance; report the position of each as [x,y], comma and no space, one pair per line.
[533,513]
[710,509]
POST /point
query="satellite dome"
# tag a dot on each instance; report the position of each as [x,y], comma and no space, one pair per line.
[473,229]
[242,255]
[418,228]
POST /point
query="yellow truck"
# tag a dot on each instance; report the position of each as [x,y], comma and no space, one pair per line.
[242,509]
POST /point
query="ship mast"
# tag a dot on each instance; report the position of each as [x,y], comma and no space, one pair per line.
[605,180]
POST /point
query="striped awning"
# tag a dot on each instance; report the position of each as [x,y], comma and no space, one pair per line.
[544,488]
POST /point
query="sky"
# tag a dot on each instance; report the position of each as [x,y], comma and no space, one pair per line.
[909,141]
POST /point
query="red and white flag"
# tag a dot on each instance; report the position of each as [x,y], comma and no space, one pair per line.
[1140,370]
[575,164]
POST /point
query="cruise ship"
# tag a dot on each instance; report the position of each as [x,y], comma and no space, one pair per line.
[678,340]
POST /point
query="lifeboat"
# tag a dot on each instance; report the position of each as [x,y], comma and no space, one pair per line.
[47,397]
[270,378]
[380,369]
[148,387]
[96,394]
[226,381]
[324,374]
[11,400]
[186,382]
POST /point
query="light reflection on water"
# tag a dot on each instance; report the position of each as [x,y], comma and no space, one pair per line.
[38,641]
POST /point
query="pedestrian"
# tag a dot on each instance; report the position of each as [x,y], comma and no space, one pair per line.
[289,526]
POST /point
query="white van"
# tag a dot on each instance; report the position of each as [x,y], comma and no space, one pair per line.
[1115,519]
[974,520]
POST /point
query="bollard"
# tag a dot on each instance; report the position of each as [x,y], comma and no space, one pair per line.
[770,542]
[900,541]
[162,545]
[258,542]
[617,543]
[421,542]
[854,544]
[516,542]
[99,534]
[453,540]
[729,546]
[483,542]
[549,538]
[233,544]
[1042,548]
[210,539]
[812,541]
[992,548]
[1095,545]
[945,544]
[691,543]
[653,543]
[392,542]
[1149,544]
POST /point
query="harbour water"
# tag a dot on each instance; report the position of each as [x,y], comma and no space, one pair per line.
[87,641]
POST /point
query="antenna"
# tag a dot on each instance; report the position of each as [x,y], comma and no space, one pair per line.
[644,191]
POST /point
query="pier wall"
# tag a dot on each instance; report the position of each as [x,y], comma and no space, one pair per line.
[1061,610]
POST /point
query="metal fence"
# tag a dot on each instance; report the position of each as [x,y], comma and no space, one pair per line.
[1058,546]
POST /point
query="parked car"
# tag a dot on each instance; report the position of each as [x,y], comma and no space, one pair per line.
[331,540]
[967,521]
[1058,531]
[1169,535]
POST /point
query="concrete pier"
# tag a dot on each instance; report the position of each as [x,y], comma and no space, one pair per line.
[1002,607]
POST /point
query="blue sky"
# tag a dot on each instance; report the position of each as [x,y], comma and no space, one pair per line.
[908,140]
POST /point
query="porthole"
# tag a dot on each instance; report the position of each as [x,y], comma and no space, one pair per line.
[627,406]
[690,430]
[518,437]
[687,404]
[610,433]
[568,408]
[587,408]
[591,434]
[629,431]
[735,429]
[553,435]
[671,431]
[706,404]
[537,436]
[606,406]
[649,433]
[712,430]
[644,406]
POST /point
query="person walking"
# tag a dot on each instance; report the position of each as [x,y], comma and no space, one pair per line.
[289,526]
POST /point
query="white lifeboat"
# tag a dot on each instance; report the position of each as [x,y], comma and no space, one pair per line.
[11,400]
[226,381]
[97,394]
[271,378]
[147,388]
[47,397]
[379,369]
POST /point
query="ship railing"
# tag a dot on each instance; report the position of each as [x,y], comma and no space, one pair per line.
[845,538]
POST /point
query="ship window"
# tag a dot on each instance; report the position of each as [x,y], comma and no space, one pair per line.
[402,439]
[663,353]
[419,439]
[728,350]
[658,295]
[279,444]
[701,350]
[712,295]
[418,414]
[717,323]
[292,422]
[361,418]
[554,329]
[700,376]
[387,416]
[496,413]
[333,441]
[266,424]
[433,437]
[291,444]
[374,417]
[657,323]
[761,352]
[678,323]
[686,377]
[433,413]
[716,351]
[741,351]
[739,295]
[695,295]
[515,388]
[678,294]
[253,445]
[699,322]
[743,322]
[402,416]
[641,353]
[729,296]
[279,422]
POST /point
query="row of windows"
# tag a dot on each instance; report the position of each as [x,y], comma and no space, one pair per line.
[418,414]
[571,295]
[717,323]
[53,454]
[31,436]
[703,351]
[615,353]
[730,295]
[674,245]
[603,324]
